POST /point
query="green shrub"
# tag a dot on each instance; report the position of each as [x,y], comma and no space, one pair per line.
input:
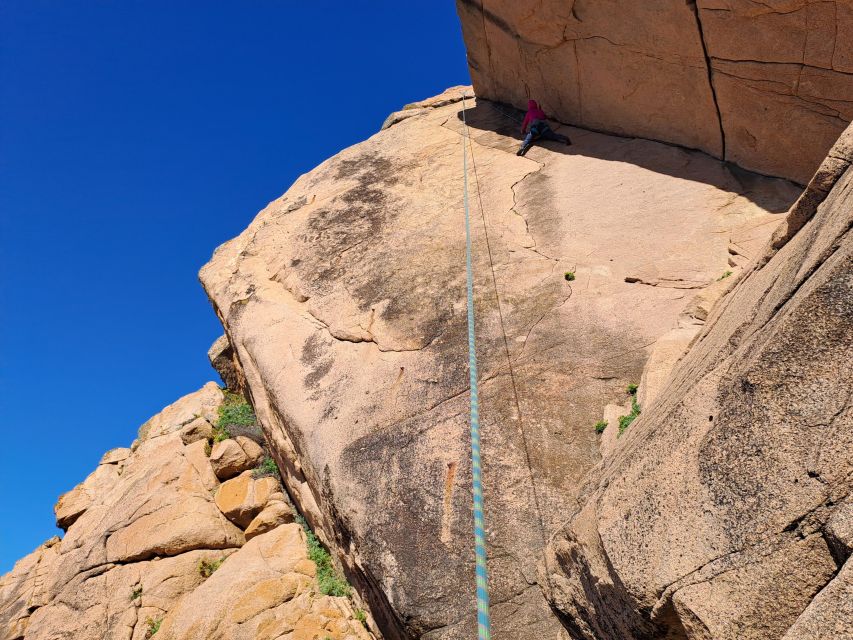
[600,426]
[267,468]
[625,421]
[632,389]
[361,616]
[724,276]
[206,568]
[153,627]
[570,275]
[220,434]
[235,411]
[136,593]
[328,580]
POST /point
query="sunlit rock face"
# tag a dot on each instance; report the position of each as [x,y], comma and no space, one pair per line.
[768,85]
[344,303]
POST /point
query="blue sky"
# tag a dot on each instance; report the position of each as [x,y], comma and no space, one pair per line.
[135,137]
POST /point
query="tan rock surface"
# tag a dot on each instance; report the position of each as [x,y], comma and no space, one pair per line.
[22,590]
[259,593]
[254,452]
[243,497]
[223,360]
[766,85]
[73,504]
[147,535]
[228,459]
[721,513]
[344,301]
[198,429]
[202,403]
[275,513]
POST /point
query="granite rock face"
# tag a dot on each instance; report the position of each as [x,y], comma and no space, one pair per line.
[725,511]
[344,305]
[768,85]
[146,542]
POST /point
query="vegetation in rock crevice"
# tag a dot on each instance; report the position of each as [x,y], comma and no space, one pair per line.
[235,414]
[328,580]
[267,468]
[600,426]
[625,421]
[153,626]
[207,567]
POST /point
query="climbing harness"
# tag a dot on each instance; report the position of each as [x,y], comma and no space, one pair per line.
[484,629]
[483,619]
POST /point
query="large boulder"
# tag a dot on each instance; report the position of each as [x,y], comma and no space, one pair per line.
[265,591]
[725,513]
[768,85]
[345,304]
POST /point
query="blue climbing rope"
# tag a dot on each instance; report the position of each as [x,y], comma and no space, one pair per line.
[484,629]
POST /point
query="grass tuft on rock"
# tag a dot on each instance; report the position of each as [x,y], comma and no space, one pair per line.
[267,468]
[206,568]
[600,426]
[235,411]
[570,275]
[361,616]
[153,627]
[724,276]
[328,580]
[136,593]
[625,421]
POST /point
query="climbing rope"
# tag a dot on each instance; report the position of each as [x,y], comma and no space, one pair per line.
[479,537]
[484,627]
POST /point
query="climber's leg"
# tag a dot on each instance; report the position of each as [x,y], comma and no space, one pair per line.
[525,145]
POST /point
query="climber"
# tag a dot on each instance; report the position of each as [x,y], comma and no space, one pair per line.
[539,128]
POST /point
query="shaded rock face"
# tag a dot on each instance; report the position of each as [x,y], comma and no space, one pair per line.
[344,304]
[768,85]
[144,542]
[726,511]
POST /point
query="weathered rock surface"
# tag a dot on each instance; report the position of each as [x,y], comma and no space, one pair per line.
[768,85]
[724,512]
[273,514]
[243,497]
[228,459]
[144,534]
[344,303]
[263,592]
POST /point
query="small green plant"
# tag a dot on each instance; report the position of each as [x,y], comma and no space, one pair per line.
[136,593]
[267,468]
[625,421]
[235,411]
[220,434]
[570,275]
[632,389]
[361,616]
[208,448]
[330,583]
[724,276]
[153,627]
[207,567]
[600,426]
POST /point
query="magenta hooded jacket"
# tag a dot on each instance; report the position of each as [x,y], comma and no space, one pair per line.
[533,113]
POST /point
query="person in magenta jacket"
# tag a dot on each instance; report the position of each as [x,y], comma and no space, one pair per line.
[536,121]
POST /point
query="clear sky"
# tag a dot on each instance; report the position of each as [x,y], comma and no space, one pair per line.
[135,137]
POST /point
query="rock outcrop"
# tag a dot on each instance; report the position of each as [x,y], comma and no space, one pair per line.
[768,85]
[725,512]
[344,305]
[149,551]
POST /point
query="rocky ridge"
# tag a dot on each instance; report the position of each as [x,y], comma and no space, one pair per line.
[181,536]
